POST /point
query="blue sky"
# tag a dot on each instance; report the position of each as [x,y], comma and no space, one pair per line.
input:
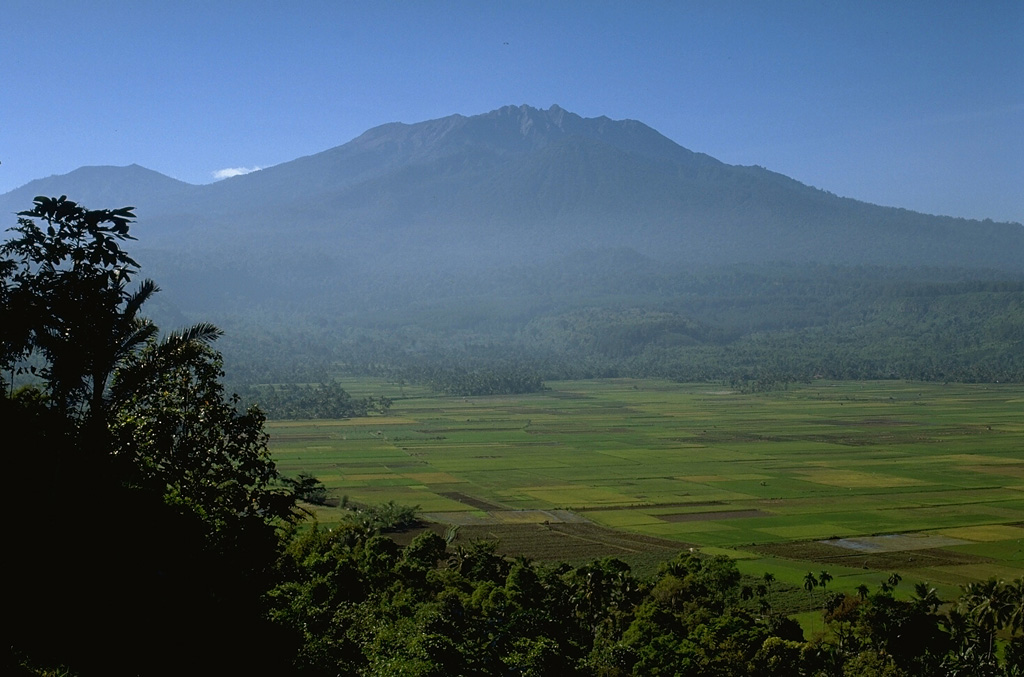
[916,104]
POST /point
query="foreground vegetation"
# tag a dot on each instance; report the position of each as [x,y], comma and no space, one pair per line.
[146,510]
[155,534]
[362,605]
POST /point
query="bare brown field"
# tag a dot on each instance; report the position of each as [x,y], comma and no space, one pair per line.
[472,502]
[551,542]
[824,553]
[559,542]
[462,519]
[678,504]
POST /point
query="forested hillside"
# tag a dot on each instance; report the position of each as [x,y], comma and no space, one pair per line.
[620,314]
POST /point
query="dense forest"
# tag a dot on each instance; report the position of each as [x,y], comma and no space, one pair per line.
[608,314]
[153,533]
[362,605]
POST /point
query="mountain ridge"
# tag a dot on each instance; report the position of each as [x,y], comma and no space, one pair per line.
[518,183]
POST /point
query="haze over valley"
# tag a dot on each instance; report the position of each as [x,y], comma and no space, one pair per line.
[575,246]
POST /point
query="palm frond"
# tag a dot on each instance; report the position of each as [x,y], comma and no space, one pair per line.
[203,332]
[141,331]
[146,289]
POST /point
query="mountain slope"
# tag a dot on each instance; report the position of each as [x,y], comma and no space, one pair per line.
[106,187]
[518,184]
[578,246]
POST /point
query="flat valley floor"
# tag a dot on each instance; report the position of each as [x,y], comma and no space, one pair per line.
[860,478]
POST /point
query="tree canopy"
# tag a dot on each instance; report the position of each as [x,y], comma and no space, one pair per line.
[130,458]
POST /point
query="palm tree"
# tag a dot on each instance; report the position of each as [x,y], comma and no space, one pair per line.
[1014,591]
[959,627]
[178,347]
[810,583]
[988,605]
[927,597]
[126,334]
[768,579]
[963,659]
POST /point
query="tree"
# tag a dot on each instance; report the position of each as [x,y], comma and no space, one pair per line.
[926,598]
[184,440]
[765,590]
[308,488]
[1014,591]
[992,605]
[176,502]
[66,299]
[810,583]
[155,407]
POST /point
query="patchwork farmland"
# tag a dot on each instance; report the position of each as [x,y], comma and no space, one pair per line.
[861,478]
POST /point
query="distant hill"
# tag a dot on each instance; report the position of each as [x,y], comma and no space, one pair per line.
[520,184]
[105,188]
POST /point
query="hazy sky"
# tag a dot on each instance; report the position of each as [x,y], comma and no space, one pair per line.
[916,104]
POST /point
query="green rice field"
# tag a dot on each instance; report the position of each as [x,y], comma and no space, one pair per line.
[860,478]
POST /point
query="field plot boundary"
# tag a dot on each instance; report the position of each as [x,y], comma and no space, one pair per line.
[507,517]
[714,515]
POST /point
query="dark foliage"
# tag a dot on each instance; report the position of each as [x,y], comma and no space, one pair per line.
[321,401]
[357,604]
[146,506]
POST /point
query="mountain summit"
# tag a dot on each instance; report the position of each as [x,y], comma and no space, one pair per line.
[521,183]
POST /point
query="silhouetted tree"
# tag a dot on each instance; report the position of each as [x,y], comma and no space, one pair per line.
[174,501]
